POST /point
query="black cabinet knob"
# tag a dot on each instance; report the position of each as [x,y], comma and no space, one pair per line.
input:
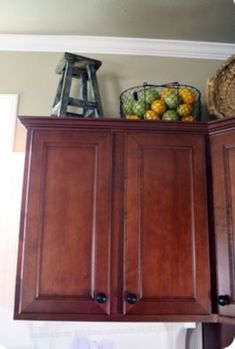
[131,298]
[223,300]
[101,298]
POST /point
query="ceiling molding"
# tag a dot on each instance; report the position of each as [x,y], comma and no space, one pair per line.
[116,45]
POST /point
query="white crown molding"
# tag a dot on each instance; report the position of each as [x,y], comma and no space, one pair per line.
[116,45]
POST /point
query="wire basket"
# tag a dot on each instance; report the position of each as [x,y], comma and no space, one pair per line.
[170,102]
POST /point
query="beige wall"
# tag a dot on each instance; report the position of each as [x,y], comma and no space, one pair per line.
[32,76]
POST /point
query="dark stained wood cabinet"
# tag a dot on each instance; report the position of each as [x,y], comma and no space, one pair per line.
[222,140]
[166,237]
[114,223]
[65,232]
[222,148]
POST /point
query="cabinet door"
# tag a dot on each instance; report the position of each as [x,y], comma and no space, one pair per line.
[64,259]
[166,263]
[223,170]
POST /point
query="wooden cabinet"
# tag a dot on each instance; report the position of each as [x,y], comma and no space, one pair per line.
[65,232]
[166,238]
[114,222]
[222,147]
[222,138]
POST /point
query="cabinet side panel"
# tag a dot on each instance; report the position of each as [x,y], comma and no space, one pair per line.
[223,169]
[229,165]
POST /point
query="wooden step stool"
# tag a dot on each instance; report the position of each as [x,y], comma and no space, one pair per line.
[83,68]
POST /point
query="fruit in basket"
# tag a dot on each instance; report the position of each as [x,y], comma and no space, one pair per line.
[151,115]
[138,108]
[150,95]
[132,117]
[159,106]
[188,118]
[167,91]
[170,115]
[127,106]
[171,100]
[184,110]
[187,95]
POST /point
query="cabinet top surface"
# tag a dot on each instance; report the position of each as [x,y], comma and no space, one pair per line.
[125,125]
[109,123]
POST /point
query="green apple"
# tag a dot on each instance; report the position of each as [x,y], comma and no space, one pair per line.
[127,106]
[170,115]
[139,108]
[150,95]
[172,101]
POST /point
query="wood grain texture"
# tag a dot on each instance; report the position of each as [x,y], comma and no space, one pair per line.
[66,257]
[223,169]
[118,207]
[166,247]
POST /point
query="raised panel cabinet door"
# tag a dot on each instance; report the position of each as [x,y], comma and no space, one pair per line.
[223,171]
[64,259]
[166,258]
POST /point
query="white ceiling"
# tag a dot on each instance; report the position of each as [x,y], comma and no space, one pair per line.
[200,20]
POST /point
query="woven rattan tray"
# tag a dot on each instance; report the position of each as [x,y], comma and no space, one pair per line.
[220,90]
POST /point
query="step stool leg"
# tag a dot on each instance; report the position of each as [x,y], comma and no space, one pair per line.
[84,78]
[95,88]
[65,90]
[56,103]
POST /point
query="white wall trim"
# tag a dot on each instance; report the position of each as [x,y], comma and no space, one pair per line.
[116,45]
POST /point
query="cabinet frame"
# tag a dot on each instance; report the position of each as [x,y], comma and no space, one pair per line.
[118,129]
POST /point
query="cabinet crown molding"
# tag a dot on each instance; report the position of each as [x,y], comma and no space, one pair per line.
[116,46]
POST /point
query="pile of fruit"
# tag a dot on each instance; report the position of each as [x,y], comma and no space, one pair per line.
[167,103]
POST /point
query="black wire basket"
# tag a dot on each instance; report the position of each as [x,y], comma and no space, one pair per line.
[170,102]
